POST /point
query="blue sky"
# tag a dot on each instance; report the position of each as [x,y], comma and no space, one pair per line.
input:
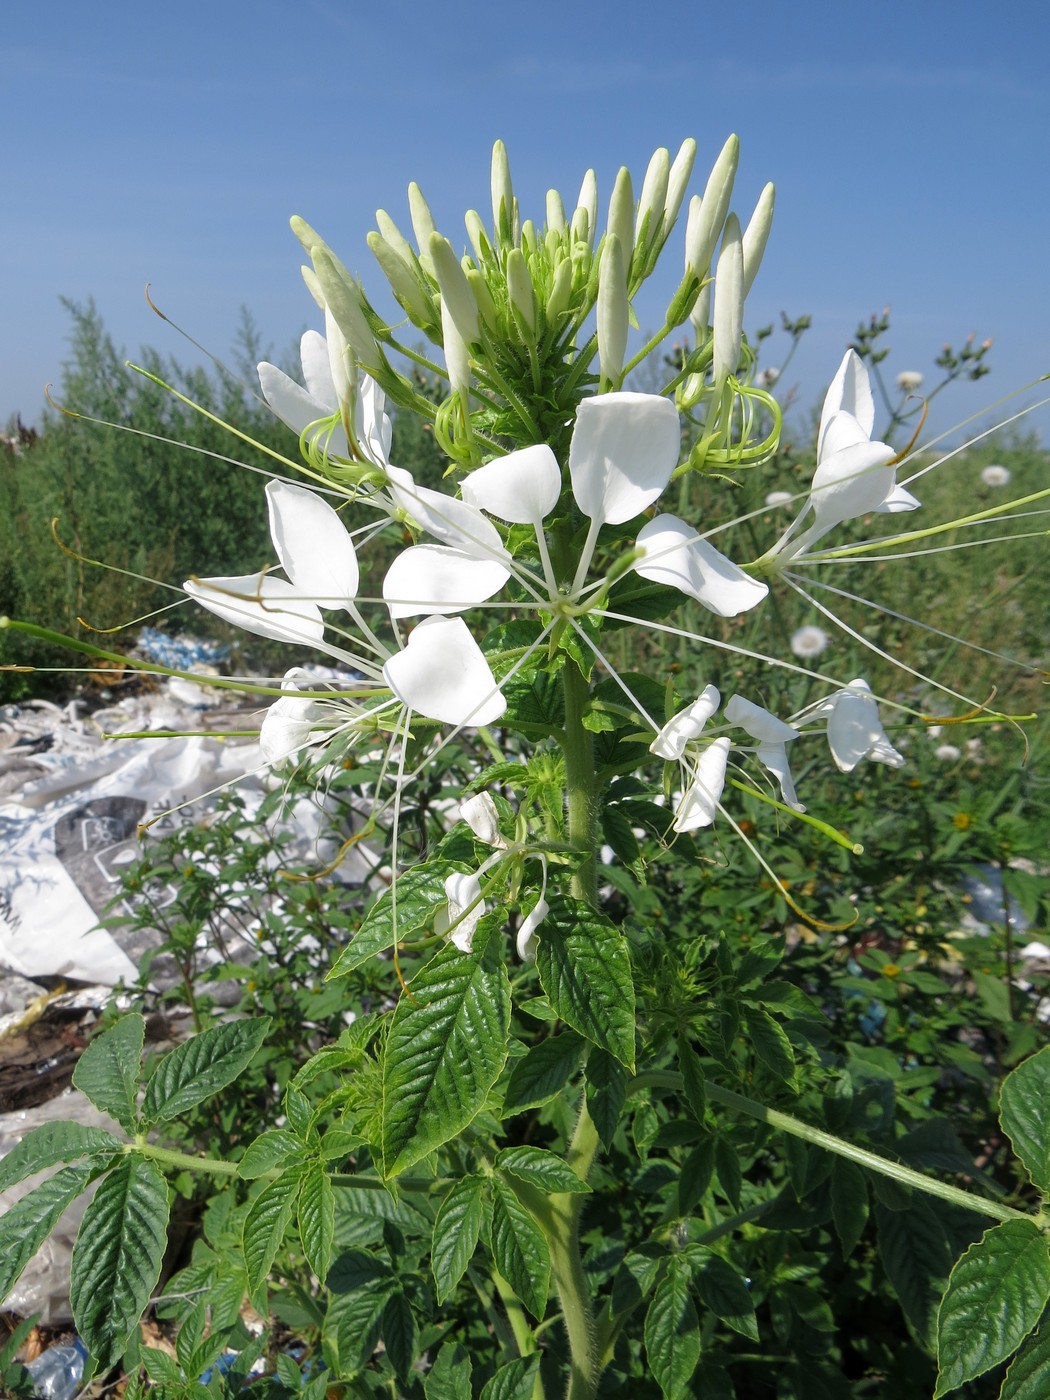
[909,143]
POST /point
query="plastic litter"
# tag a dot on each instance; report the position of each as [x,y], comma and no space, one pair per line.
[57,1372]
[180,653]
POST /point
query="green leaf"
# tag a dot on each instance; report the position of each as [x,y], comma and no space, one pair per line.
[419,893]
[449,1377]
[108,1070]
[456,1229]
[693,1075]
[118,1256]
[606,1093]
[584,966]
[201,1067]
[1029,1375]
[995,1297]
[672,1333]
[695,1176]
[446,1048]
[316,1211]
[352,1324]
[545,1170]
[723,1290]
[542,1073]
[916,1251]
[515,1381]
[265,1224]
[520,1249]
[51,1144]
[849,1203]
[769,1041]
[1024,1110]
[26,1225]
[635,1277]
[270,1149]
[356,1270]
[399,1333]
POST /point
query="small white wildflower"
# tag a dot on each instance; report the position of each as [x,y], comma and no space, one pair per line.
[775,499]
[909,380]
[947,753]
[809,642]
[766,378]
[996,475]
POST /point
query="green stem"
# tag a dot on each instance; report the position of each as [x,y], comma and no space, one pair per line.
[182,1161]
[784,1123]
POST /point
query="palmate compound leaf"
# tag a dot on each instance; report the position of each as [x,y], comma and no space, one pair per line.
[584,966]
[108,1070]
[117,1257]
[200,1067]
[446,1047]
[1024,1110]
[995,1296]
[397,914]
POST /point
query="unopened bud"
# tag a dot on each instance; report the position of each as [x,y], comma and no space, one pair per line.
[519,288]
[585,219]
[682,302]
[455,289]
[689,392]
[312,285]
[654,193]
[422,224]
[343,298]
[403,282]
[613,312]
[457,359]
[729,303]
[479,239]
[561,290]
[756,235]
[307,236]
[502,194]
[700,316]
[707,216]
[677,180]
[483,297]
[621,214]
[555,212]
[529,240]
[393,235]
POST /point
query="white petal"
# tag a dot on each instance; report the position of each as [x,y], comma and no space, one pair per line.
[686,725]
[290,724]
[757,722]
[480,814]
[674,555]
[260,603]
[452,521]
[842,430]
[624,448]
[522,487]
[775,758]
[699,803]
[294,406]
[442,674]
[371,421]
[526,940]
[461,891]
[432,578]
[898,500]
[849,392]
[312,544]
[317,370]
[849,484]
[855,730]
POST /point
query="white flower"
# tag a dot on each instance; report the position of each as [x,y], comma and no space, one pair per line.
[854,475]
[773,737]
[909,380]
[766,378]
[947,753]
[296,722]
[624,448]
[441,673]
[808,642]
[776,499]
[673,553]
[854,728]
[685,726]
[527,940]
[699,803]
[480,814]
[463,910]
[995,475]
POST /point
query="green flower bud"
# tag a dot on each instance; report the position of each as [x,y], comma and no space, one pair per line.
[344,299]
[585,219]
[561,290]
[556,212]
[529,241]
[613,311]
[729,303]
[683,301]
[455,289]
[422,224]
[700,316]
[756,235]
[519,289]
[654,193]
[312,285]
[406,288]
[621,214]
[707,215]
[479,239]
[397,240]
[677,180]
[307,236]
[457,357]
[486,306]
[502,194]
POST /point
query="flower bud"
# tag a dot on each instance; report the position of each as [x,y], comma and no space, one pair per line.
[393,235]
[612,311]
[479,239]
[403,283]
[561,290]
[682,302]
[529,240]
[707,216]
[502,195]
[313,286]
[343,298]
[585,219]
[621,215]
[519,289]
[729,302]
[651,200]
[422,224]
[483,297]
[555,212]
[756,235]
[677,180]
[457,359]
[700,316]
[307,236]
[456,294]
